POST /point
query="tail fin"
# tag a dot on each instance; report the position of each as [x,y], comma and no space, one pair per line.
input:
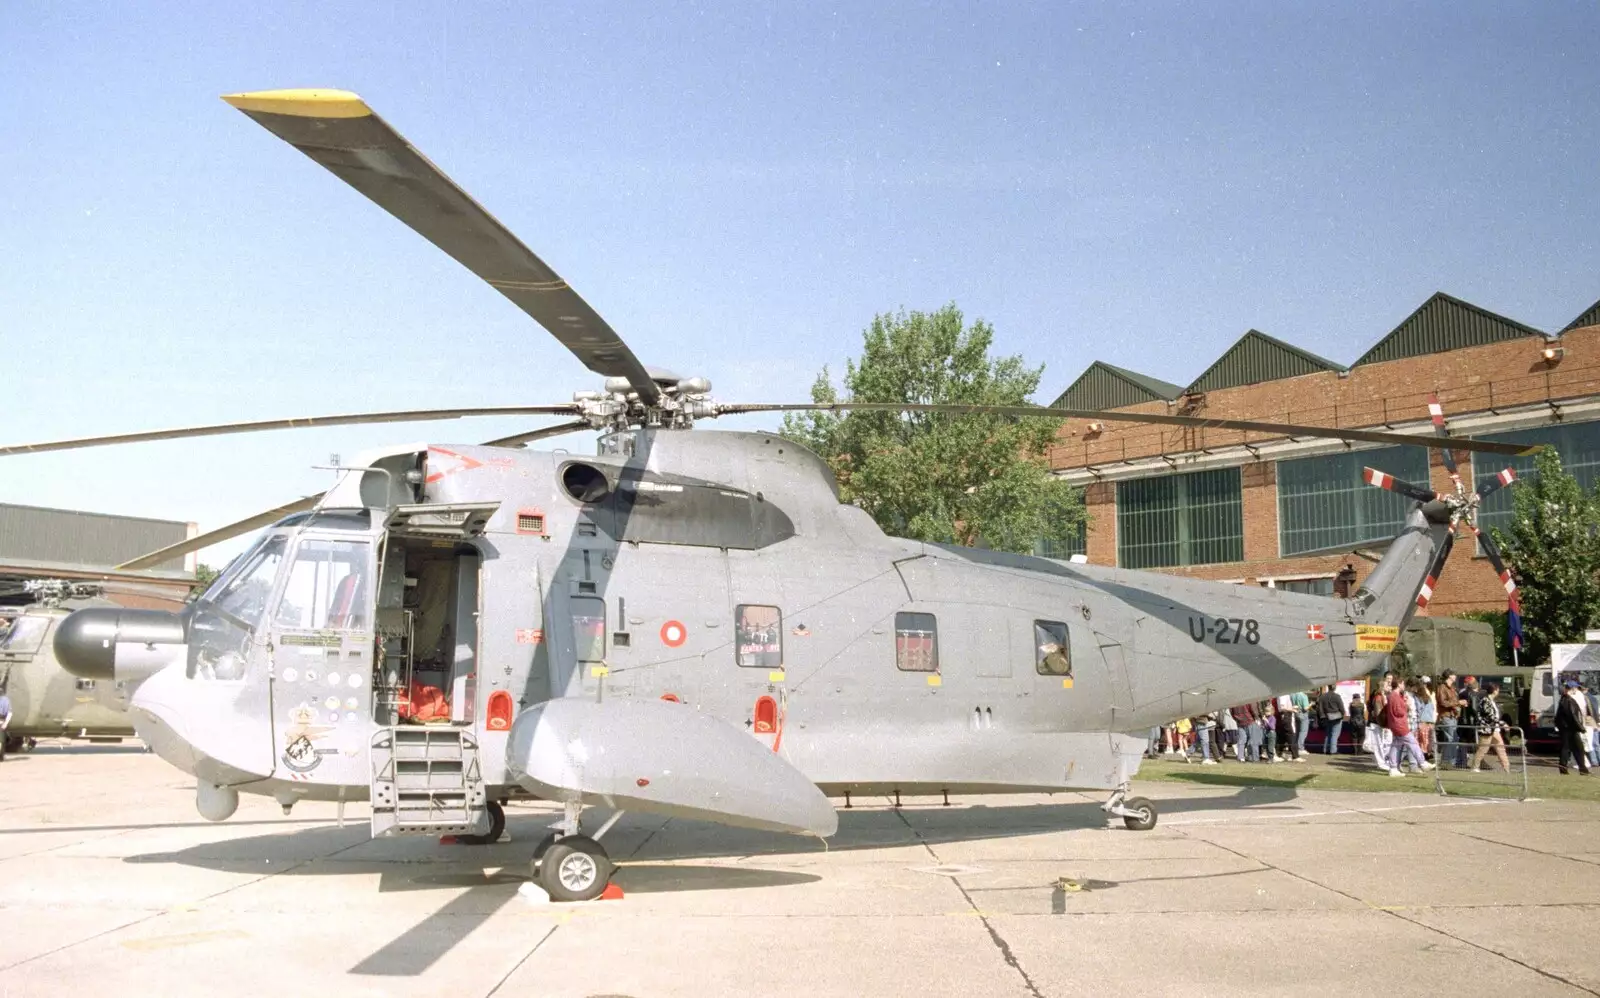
[1389,596]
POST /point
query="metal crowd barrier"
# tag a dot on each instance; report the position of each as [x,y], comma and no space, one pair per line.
[1454,774]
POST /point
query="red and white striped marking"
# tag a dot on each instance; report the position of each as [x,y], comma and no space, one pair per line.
[1508,582]
[1507,476]
[1427,591]
[1376,477]
[1436,411]
[1314,632]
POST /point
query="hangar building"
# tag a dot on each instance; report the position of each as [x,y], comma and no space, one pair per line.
[36,542]
[1229,506]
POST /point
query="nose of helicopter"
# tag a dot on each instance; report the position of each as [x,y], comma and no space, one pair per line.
[106,643]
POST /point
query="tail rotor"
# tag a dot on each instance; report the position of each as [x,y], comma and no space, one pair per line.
[1461,503]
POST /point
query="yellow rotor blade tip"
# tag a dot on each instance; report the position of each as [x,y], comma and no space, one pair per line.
[302,103]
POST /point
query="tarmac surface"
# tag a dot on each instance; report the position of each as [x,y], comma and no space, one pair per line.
[111,884]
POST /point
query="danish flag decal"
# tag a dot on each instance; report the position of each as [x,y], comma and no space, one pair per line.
[1314,632]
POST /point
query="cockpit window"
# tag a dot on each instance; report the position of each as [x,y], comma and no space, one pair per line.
[326,588]
[243,591]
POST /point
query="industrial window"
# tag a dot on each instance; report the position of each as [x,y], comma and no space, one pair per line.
[1315,587]
[1577,443]
[1051,655]
[1077,542]
[1323,502]
[1189,519]
[589,627]
[916,642]
[758,636]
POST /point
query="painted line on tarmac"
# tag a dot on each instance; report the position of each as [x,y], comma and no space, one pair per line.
[1319,814]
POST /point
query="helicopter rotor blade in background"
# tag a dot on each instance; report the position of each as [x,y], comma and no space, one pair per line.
[339,131]
[221,534]
[1248,426]
[1372,476]
[277,513]
[299,422]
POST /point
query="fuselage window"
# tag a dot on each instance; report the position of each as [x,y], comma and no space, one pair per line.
[589,628]
[326,588]
[758,636]
[916,642]
[1052,654]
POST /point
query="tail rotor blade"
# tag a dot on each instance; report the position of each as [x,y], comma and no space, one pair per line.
[1373,476]
[1498,482]
[1486,543]
[1435,570]
[1436,412]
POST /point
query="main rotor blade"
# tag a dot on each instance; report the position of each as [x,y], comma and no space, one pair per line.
[1373,476]
[272,516]
[339,131]
[518,439]
[402,416]
[1248,426]
[1436,413]
[221,534]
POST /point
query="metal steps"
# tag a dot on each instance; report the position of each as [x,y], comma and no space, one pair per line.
[426,780]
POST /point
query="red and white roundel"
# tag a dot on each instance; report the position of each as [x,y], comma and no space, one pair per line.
[673,634]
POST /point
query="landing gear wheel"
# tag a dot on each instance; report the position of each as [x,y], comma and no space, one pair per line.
[497,826]
[14,743]
[575,868]
[1142,816]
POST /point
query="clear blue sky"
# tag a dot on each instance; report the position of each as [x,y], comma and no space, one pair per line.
[738,188]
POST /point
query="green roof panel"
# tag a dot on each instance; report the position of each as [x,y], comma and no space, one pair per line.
[1257,357]
[1104,386]
[1444,323]
[1590,317]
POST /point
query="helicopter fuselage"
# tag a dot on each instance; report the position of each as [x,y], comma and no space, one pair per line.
[735,584]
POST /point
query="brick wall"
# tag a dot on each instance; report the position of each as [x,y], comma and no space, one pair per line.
[1474,379]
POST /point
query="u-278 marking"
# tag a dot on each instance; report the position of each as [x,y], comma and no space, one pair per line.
[1225,630]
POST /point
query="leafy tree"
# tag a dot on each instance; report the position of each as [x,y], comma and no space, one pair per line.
[1553,549]
[203,576]
[942,477]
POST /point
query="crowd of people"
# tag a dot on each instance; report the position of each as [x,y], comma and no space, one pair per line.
[1414,723]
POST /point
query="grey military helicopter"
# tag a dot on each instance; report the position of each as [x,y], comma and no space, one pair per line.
[45,701]
[685,622]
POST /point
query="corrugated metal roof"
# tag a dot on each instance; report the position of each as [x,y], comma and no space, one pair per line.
[1257,357]
[1589,317]
[1444,323]
[1104,386]
[33,534]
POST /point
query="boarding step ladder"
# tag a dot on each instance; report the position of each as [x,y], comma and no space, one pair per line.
[426,780]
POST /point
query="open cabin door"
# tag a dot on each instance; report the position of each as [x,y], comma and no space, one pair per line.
[446,521]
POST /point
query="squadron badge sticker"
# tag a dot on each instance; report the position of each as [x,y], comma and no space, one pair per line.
[300,755]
